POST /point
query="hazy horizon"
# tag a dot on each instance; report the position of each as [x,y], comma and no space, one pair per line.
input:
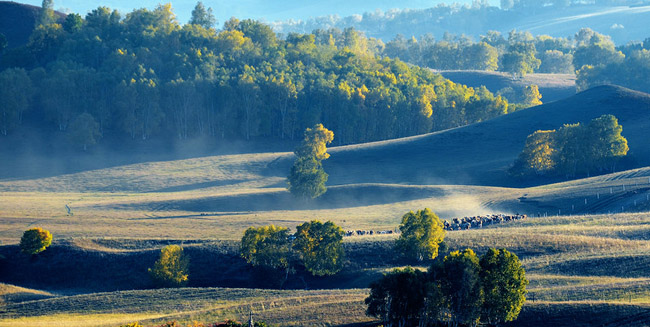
[269,11]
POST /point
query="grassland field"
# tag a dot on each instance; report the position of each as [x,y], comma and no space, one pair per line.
[593,262]
[585,245]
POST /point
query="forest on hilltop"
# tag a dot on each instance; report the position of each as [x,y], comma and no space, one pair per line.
[144,75]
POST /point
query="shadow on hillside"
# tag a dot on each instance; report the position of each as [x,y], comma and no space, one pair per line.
[67,267]
[196,186]
[35,154]
[336,197]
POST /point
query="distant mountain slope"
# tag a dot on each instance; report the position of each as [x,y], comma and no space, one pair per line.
[17,21]
[553,87]
[622,23]
[268,10]
[479,154]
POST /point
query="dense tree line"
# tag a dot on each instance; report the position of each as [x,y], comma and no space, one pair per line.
[144,75]
[520,53]
[459,290]
[572,149]
[593,56]
[632,71]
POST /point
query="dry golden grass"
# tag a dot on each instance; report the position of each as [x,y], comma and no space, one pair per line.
[601,258]
[307,308]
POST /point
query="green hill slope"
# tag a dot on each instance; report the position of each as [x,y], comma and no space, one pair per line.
[17,21]
[480,154]
[553,87]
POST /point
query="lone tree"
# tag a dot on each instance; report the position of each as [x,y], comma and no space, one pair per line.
[307,177]
[320,246]
[35,240]
[421,235]
[504,284]
[171,269]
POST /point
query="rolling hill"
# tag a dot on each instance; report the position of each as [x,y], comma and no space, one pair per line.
[17,21]
[583,267]
[623,23]
[553,87]
[480,154]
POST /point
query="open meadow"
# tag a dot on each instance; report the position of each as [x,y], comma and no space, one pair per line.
[585,244]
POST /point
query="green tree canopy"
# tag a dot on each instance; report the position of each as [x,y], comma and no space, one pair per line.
[84,130]
[35,240]
[266,246]
[245,81]
[458,290]
[520,59]
[314,143]
[46,15]
[307,177]
[421,234]
[73,23]
[538,155]
[504,285]
[171,269]
[572,149]
[15,96]
[202,16]
[595,49]
[398,297]
[320,247]
[461,284]
[607,143]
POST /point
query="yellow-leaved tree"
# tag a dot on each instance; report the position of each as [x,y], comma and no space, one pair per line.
[35,240]
[171,269]
[307,177]
[421,235]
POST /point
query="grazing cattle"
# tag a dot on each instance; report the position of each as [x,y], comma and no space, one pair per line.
[479,221]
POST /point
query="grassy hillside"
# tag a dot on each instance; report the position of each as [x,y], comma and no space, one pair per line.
[17,21]
[479,154]
[553,87]
[583,267]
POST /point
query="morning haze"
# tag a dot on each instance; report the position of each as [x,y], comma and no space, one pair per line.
[271,164]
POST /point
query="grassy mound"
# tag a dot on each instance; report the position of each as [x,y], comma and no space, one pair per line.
[553,87]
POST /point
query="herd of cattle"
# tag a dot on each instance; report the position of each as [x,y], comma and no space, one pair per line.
[480,221]
[454,224]
[370,232]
